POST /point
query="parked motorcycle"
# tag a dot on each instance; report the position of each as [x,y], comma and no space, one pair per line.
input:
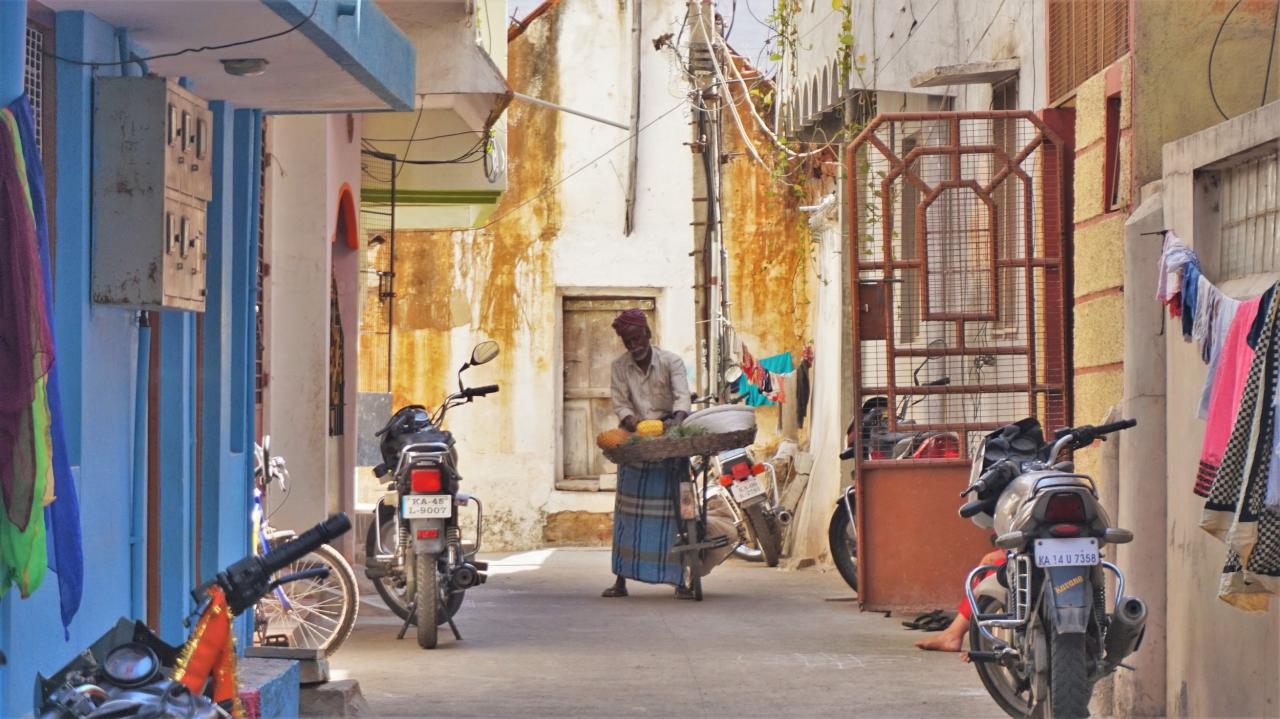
[878,442]
[759,508]
[414,551]
[131,672]
[1041,635]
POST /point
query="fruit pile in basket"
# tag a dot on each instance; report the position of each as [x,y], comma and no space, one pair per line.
[648,430]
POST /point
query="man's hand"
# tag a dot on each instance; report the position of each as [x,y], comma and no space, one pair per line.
[677,418]
[629,423]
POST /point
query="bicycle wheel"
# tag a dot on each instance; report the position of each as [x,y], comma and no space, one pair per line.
[317,613]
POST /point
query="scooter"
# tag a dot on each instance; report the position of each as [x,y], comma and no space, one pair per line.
[1041,635]
[131,672]
[414,551]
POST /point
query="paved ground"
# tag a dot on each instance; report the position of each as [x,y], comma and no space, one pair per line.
[540,641]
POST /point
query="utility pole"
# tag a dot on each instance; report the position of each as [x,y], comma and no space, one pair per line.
[710,258]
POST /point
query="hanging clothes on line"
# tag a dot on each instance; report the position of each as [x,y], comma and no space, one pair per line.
[1234,511]
[1226,387]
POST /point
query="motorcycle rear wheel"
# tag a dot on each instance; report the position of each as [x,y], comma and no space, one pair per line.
[765,531]
[1011,692]
[427,602]
[844,545]
[1069,687]
[392,587]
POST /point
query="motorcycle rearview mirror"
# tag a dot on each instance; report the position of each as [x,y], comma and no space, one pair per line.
[484,352]
[732,373]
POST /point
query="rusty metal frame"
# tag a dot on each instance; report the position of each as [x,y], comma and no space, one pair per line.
[1038,389]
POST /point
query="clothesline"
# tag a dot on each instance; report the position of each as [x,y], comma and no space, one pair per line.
[1239,471]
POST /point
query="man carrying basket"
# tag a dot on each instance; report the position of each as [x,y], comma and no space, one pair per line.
[647,383]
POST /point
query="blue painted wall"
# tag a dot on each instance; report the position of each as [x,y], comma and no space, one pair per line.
[98,351]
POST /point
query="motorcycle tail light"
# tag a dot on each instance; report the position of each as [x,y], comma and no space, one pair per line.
[758,469]
[741,471]
[428,534]
[726,480]
[425,480]
[1064,507]
[1065,530]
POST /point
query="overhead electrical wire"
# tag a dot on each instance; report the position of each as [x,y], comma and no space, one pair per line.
[551,186]
[1213,49]
[184,51]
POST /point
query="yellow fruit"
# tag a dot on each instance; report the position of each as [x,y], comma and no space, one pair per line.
[611,438]
[651,428]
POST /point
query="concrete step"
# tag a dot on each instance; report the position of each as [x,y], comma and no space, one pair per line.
[334,700]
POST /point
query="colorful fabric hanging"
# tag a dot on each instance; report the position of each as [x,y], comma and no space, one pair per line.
[1234,511]
[1228,386]
[62,517]
[26,353]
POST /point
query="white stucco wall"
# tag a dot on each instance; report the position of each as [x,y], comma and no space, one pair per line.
[303,193]
[949,32]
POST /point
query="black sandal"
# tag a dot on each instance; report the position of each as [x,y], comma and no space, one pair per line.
[938,623]
[614,591]
[923,620]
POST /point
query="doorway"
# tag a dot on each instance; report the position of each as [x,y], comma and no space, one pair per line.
[590,347]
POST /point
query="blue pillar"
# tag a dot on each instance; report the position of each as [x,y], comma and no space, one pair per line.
[177,471]
[13,44]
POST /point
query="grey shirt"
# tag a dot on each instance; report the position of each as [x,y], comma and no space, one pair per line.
[651,394]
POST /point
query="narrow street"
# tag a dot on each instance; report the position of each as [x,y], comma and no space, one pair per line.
[540,641]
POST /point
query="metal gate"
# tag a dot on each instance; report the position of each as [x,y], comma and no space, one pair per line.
[957,250]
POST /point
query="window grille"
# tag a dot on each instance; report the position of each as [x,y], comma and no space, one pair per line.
[33,79]
[1249,204]
[1085,36]
[972,321]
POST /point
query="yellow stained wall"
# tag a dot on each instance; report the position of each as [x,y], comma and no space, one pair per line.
[1098,252]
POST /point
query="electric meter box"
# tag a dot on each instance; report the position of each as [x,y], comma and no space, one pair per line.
[152,156]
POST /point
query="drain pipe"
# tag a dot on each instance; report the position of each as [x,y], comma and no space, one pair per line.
[138,520]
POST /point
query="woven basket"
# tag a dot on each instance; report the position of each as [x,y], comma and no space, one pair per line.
[656,450]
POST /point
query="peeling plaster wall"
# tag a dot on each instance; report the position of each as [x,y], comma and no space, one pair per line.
[505,281]
[772,259]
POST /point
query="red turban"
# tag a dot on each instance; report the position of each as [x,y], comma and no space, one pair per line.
[629,318]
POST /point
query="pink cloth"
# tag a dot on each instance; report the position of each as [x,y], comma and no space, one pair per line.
[1224,399]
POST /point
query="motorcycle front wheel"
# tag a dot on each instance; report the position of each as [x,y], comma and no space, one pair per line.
[315,613]
[844,545]
[1010,689]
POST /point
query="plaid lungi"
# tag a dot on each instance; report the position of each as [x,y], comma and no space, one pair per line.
[645,520]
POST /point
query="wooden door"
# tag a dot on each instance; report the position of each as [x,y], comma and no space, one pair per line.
[590,347]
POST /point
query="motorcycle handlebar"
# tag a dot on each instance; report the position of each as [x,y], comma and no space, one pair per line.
[971,509]
[479,391]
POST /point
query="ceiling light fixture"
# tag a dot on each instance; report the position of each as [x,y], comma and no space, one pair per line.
[245,66]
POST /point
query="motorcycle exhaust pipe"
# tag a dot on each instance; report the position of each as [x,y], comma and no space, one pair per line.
[467,576]
[783,516]
[1128,623]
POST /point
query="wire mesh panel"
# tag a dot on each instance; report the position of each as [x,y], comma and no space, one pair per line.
[377,228]
[960,293]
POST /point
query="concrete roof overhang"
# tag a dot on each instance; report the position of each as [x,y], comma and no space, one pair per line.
[345,55]
[457,73]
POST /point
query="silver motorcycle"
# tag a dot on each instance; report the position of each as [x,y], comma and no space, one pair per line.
[414,553]
[1041,634]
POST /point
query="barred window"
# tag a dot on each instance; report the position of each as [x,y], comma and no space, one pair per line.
[1085,36]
